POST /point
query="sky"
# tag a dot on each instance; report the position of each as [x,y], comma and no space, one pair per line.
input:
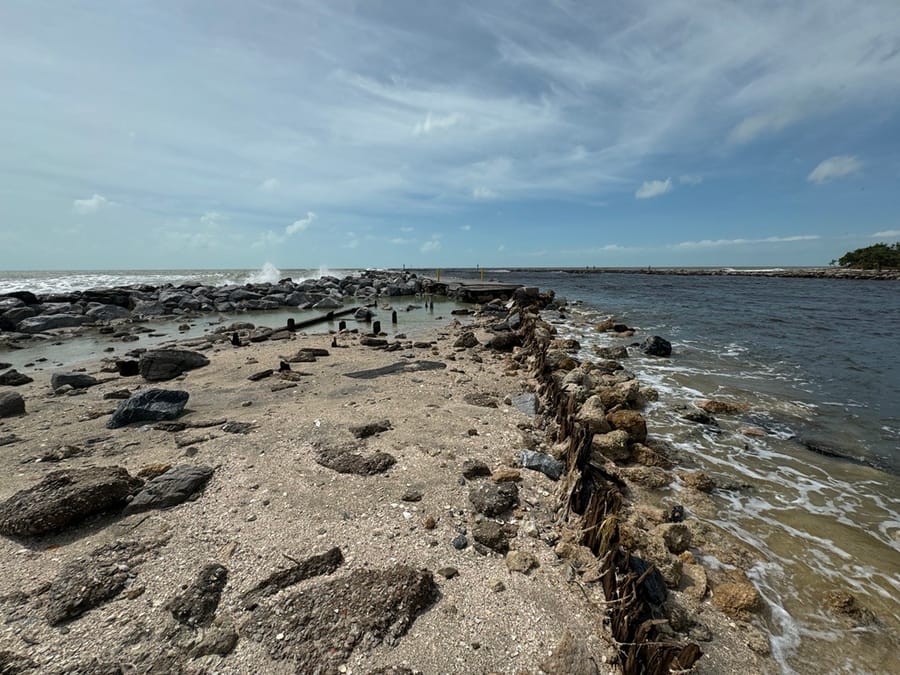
[226,134]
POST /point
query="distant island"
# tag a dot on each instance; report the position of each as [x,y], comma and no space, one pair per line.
[875,257]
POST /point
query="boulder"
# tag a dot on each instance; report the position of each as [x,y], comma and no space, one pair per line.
[150,405]
[612,353]
[74,380]
[677,537]
[721,407]
[593,415]
[173,487]
[631,421]
[65,497]
[13,378]
[494,499]
[18,313]
[656,346]
[623,393]
[844,604]
[144,308]
[108,313]
[165,364]
[737,598]
[43,323]
[343,460]
[328,303]
[466,340]
[614,446]
[505,341]
[364,314]
[11,403]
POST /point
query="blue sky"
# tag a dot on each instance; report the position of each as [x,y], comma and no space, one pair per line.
[219,133]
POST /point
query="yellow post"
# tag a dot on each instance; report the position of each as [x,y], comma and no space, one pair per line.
[438,275]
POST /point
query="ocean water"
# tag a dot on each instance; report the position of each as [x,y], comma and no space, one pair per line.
[815,363]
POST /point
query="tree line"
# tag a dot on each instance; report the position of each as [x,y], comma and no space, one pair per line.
[877,256]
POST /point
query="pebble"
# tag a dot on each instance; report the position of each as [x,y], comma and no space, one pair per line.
[251,518]
[246,404]
[459,542]
[429,523]
[448,572]
[497,586]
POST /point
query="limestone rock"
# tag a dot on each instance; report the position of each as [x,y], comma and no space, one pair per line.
[570,657]
[631,421]
[521,561]
[722,407]
[614,446]
[738,598]
[593,414]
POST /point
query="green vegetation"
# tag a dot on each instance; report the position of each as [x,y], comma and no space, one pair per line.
[876,256]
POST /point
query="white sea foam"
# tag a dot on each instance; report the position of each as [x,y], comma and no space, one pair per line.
[267,274]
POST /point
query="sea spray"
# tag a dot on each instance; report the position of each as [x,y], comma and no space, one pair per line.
[267,274]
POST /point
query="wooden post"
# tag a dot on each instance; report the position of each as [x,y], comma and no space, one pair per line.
[291,325]
[394,317]
[342,325]
[376,327]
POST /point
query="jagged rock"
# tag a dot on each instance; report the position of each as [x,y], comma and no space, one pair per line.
[473,468]
[656,346]
[700,417]
[697,480]
[557,359]
[844,604]
[197,604]
[343,460]
[320,628]
[165,364]
[611,353]
[65,497]
[651,477]
[370,428]
[13,378]
[466,340]
[128,367]
[150,405]
[328,303]
[647,456]
[505,341]
[74,380]
[492,535]
[173,487]
[91,580]
[621,394]
[570,657]
[721,407]
[11,403]
[615,446]
[314,566]
[631,421]
[493,499]
[677,537]
[521,561]
[220,639]
[539,461]
[593,415]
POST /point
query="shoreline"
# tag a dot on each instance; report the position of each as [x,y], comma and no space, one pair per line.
[536,534]
[795,273]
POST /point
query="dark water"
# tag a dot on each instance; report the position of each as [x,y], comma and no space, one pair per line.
[815,362]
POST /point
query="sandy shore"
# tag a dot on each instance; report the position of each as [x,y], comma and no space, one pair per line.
[272,502]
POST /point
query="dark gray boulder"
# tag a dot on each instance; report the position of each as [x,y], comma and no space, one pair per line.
[65,497]
[173,487]
[539,461]
[13,378]
[18,313]
[493,499]
[197,604]
[164,364]
[108,313]
[43,323]
[150,405]
[11,403]
[656,346]
[74,380]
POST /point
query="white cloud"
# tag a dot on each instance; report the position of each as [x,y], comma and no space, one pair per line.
[753,127]
[834,167]
[431,245]
[402,241]
[407,229]
[501,248]
[886,233]
[714,243]
[300,225]
[653,188]
[465,228]
[690,179]
[90,205]
[270,185]
[212,218]
[436,123]
[483,193]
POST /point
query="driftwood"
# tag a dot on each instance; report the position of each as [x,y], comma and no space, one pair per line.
[329,316]
[633,588]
